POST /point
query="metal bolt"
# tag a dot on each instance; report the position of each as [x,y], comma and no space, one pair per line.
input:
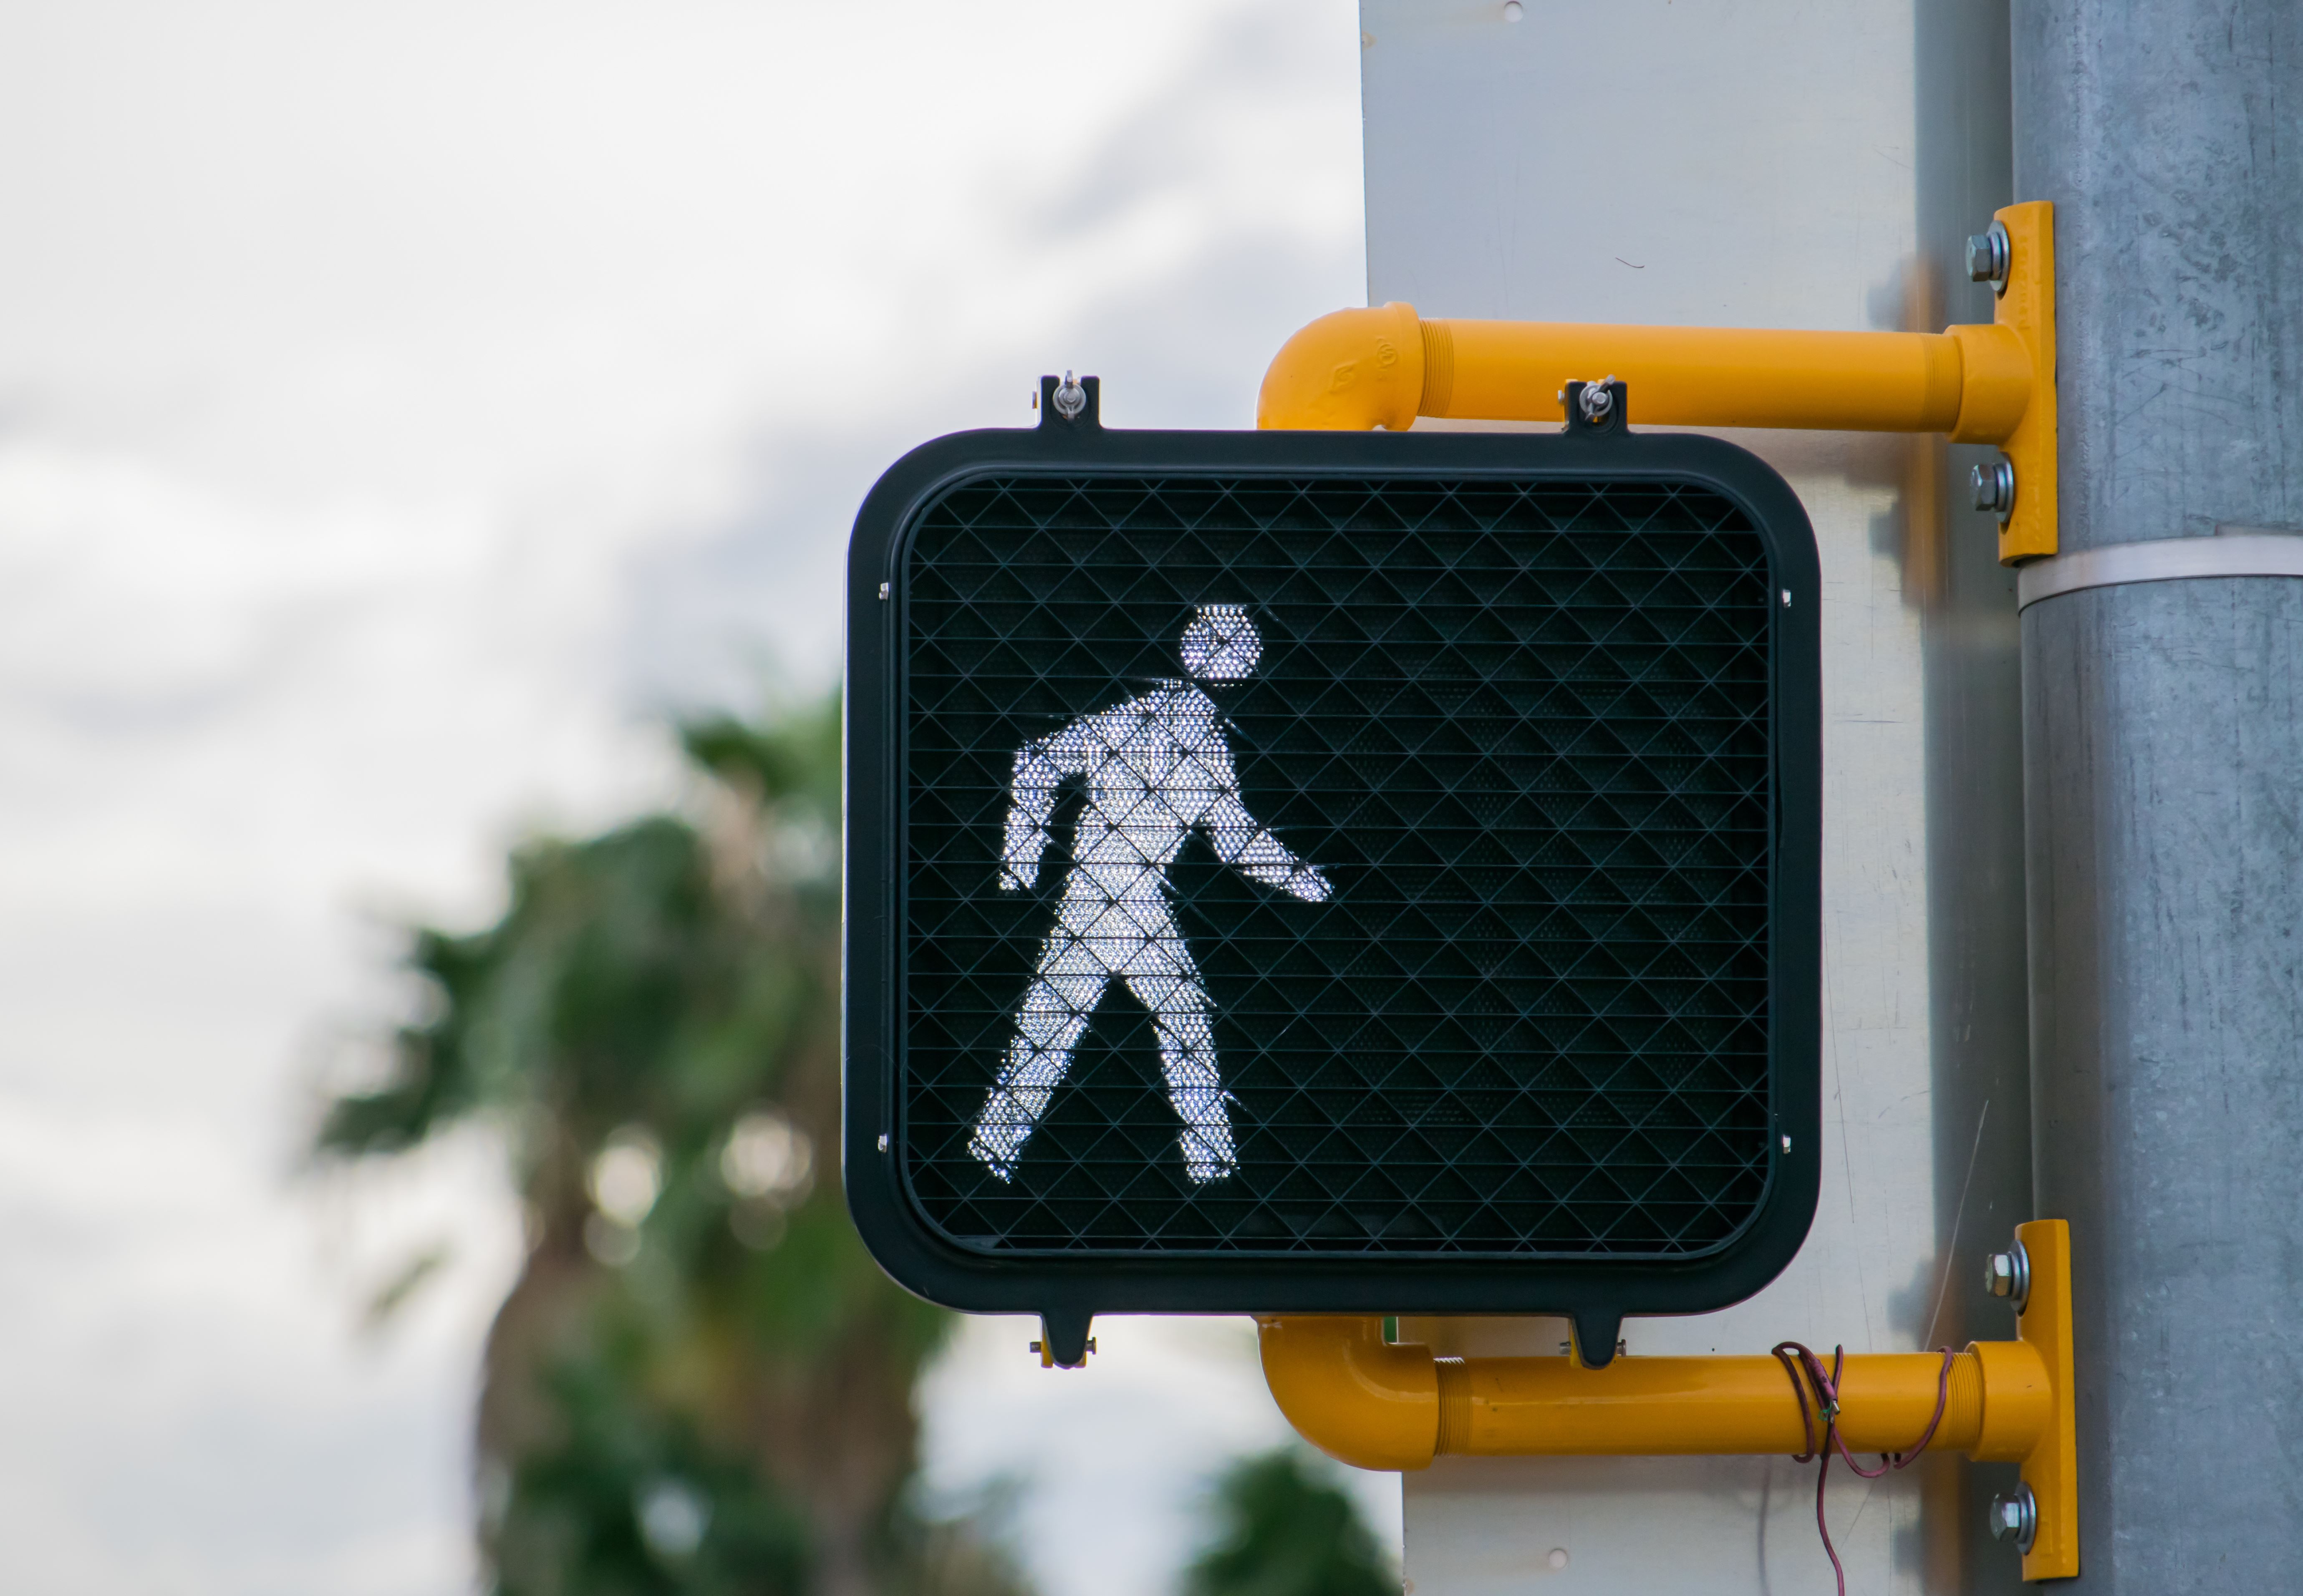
[1597,401]
[2015,1517]
[2007,1275]
[1071,399]
[1989,256]
[1995,487]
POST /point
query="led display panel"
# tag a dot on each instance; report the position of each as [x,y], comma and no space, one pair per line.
[1318,872]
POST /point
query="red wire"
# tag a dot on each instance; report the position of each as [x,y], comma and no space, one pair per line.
[1798,1362]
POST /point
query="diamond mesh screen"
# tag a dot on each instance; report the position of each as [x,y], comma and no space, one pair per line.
[1484,968]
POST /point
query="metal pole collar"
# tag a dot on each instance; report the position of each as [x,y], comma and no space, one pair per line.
[2239,552]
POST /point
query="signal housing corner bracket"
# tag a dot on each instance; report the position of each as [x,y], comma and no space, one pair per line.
[1356,370]
[1380,1404]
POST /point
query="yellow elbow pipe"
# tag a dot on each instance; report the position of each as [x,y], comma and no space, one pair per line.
[1359,369]
[1376,1405]
[1350,371]
[1383,1406]
[1710,1406]
[1351,1393]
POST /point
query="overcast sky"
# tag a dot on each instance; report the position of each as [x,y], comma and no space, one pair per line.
[401,407]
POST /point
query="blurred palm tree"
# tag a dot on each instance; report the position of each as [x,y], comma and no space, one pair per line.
[700,1383]
[1284,1529]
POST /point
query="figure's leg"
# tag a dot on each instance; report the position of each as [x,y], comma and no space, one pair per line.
[1064,992]
[1166,981]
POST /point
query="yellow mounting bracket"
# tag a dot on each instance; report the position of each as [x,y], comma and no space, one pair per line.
[1380,1404]
[2027,305]
[2050,1465]
[1358,369]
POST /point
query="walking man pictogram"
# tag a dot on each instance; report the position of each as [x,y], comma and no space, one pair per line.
[1157,767]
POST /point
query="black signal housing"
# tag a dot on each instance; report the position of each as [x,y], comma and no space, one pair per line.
[1545,709]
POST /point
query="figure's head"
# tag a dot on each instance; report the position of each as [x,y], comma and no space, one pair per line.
[1220,643]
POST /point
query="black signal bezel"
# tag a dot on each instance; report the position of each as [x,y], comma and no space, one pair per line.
[1595,1291]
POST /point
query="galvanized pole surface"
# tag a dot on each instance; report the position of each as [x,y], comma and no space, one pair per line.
[2163,779]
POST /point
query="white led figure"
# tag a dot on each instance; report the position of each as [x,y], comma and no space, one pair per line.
[1156,768]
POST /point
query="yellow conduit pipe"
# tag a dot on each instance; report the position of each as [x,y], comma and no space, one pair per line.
[1377,1405]
[1385,1407]
[1359,369]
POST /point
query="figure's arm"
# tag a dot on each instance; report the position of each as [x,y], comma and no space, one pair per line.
[1247,846]
[1041,767]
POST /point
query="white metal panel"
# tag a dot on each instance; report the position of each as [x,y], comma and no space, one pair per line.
[1771,164]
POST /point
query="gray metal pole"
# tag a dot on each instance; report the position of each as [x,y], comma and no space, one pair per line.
[2163,779]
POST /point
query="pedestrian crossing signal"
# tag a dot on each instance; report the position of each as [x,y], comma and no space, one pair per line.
[1322,872]
[1154,769]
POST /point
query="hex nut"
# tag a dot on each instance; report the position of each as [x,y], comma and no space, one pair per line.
[1994,486]
[1989,255]
[2007,1275]
[2015,1517]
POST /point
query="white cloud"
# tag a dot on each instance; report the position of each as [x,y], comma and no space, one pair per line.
[399,405]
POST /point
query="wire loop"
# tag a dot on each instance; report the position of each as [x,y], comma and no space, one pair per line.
[1808,1374]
